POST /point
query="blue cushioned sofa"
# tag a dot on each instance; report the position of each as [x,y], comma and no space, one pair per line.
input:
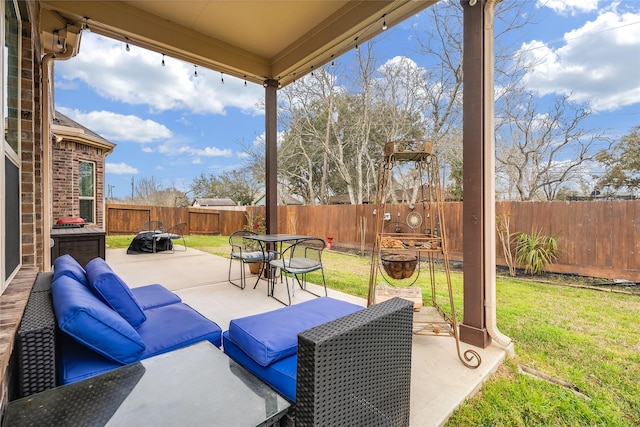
[104,324]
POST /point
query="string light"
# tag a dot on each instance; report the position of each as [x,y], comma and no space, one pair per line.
[86,24]
[245,81]
[59,43]
[221,77]
[312,70]
[53,50]
[384,22]
[332,62]
[195,70]
[356,40]
[163,59]
[127,48]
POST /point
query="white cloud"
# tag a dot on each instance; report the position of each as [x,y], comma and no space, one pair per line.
[174,148]
[120,169]
[598,63]
[564,7]
[138,78]
[119,127]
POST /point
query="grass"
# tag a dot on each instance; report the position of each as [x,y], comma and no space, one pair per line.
[584,337]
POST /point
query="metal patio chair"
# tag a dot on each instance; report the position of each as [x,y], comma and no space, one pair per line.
[176,232]
[302,257]
[247,252]
[150,226]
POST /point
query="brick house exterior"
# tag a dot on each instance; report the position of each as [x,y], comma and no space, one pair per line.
[74,144]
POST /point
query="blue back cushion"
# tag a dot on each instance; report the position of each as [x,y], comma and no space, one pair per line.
[151,296]
[66,265]
[89,321]
[114,292]
[272,336]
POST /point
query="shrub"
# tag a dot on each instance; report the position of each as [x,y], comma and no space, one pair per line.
[534,252]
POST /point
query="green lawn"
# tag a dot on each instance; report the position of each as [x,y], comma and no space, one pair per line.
[584,337]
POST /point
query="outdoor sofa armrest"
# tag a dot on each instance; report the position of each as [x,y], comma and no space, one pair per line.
[356,370]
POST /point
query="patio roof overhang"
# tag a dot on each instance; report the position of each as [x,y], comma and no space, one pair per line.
[273,43]
[252,40]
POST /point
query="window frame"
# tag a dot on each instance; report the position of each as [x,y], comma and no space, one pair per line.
[9,153]
[92,197]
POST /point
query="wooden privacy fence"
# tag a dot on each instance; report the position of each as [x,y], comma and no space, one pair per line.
[596,238]
[126,219]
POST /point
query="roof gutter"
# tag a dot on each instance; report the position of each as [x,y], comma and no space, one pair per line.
[71,48]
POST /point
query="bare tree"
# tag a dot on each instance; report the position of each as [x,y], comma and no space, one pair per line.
[440,36]
[335,134]
[541,152]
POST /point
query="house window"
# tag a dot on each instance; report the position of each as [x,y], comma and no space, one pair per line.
[10,165]
[87,191]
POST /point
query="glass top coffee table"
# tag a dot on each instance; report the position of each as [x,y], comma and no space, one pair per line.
[196,385]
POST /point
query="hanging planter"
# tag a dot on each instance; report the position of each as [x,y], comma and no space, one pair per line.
[399,266]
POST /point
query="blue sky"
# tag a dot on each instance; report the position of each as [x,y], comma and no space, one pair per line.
[173,126]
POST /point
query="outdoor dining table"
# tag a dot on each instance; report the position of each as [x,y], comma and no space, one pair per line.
[271,246]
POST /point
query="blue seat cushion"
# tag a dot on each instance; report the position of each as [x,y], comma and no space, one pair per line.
[175,326]
[151,296]
[114,292]
[251,256]
[280,375]
[88,320]
[66,265]
[272,336]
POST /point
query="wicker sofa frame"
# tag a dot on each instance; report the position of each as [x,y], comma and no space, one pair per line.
[36,341]
[353,371]
[356,370]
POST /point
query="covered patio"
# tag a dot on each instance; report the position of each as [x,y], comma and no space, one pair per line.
[439,381]
[271,44]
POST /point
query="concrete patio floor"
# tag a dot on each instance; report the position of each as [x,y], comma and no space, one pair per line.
[440,382]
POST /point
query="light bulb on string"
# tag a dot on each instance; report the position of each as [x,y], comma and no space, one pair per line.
[127,48]
[356,40]
[163,60]
[221,77]
[384,22]
[245,81]
[332,62]
[86,24]
[195,70]
[58,43]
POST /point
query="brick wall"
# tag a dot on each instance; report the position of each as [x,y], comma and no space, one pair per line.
[65,174]
[30,153]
